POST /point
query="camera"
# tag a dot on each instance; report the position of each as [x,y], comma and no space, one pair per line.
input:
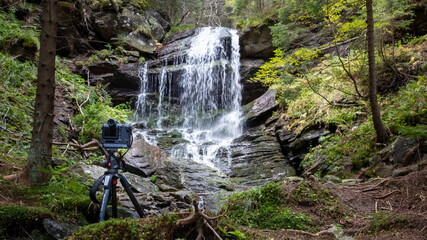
[115,135]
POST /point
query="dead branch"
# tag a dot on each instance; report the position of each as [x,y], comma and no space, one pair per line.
[90,146]
[200,219]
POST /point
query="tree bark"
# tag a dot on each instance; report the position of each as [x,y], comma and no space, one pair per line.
[381,132]
[40,154]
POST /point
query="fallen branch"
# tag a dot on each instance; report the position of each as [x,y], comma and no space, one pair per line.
[90,146]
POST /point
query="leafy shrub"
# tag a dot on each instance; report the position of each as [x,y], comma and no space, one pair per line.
[262,208]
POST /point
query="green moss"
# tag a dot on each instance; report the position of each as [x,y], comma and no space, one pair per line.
[158,228]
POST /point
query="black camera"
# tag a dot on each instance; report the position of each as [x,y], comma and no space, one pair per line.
[115,135]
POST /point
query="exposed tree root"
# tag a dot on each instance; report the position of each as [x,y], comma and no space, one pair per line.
[200,220]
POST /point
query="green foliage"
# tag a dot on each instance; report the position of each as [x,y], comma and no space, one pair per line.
[64,196]
[263,208]
[14,32]
[252,13]
[382,221]
[406,114]
[93,102]
[17,91]
[94,115]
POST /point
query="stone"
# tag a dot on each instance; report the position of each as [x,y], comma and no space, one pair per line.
[144,159]
[261,109]
[58,229]
[138,40]
[402,152]
[140,184]
[399,148]
[92,171]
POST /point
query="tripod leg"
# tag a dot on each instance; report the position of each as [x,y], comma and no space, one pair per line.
[114,198]
[132,197]
[106,198]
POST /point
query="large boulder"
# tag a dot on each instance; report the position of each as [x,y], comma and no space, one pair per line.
[144,159]
[258,111]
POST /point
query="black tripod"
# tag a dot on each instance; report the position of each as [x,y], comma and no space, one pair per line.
[110,177]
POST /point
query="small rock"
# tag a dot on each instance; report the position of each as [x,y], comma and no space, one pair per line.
[57,229]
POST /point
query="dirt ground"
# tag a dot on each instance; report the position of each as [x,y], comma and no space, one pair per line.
[380,209]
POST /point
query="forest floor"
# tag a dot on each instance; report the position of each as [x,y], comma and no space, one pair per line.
[380,209]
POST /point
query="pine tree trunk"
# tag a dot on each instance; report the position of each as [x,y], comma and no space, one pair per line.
[40,154]
[381,132]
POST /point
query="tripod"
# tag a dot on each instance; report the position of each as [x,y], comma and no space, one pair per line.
[113,164]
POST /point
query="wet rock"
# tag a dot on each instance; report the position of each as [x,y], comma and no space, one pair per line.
[58,229]
[192,176]
[144,159]
[260,109]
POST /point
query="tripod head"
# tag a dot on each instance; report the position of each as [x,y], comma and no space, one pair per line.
[114,159]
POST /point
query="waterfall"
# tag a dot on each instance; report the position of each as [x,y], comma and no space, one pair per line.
[198,95]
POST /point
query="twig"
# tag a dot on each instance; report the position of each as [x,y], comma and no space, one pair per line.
[306,233]
[376,206]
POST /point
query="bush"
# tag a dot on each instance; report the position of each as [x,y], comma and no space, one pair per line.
[262,208]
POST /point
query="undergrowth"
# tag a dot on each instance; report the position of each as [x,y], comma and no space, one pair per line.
[263,208]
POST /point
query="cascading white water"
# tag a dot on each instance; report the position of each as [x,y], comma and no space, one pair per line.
[209,96]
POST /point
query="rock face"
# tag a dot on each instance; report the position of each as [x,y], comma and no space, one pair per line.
[256,43]
[396,158]
[122,79]
[251,90]
[257,156]
[141,30]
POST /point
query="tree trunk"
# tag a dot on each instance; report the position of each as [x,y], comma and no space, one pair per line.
[40,154]
[381,132]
